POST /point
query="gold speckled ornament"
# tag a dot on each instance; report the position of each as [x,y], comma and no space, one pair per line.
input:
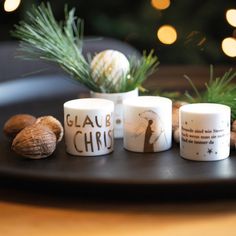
[110,65]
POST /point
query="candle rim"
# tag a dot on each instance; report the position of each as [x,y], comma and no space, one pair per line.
[205,108]
[110,95]
[89,104]
[145,101]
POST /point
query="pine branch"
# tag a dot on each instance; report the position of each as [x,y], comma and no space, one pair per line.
[219,90]
[141,69]
[42,37]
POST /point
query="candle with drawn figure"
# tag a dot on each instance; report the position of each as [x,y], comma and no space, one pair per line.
[147,124]
[88,126]
[204,131]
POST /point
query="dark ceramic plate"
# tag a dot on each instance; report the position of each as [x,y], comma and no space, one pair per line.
[121,168]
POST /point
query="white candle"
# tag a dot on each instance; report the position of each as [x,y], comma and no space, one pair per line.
[147,124]
[118,99]
[204,131]
[88,126]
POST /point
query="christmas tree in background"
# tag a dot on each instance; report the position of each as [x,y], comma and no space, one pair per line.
[201,26]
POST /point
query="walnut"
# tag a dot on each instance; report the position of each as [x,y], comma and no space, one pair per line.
[233,139]
[53,124]
[35,141]
[175,113]
[176,135]
[234,126]
[16,123]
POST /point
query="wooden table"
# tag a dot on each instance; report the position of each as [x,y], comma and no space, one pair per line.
[26,213]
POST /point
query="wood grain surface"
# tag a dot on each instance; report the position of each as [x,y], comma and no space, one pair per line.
[25,213]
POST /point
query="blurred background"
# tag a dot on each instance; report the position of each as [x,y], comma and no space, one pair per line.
[181,32]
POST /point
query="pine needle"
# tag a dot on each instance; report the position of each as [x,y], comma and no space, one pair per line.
[42,37]
[141,69]
[219,90]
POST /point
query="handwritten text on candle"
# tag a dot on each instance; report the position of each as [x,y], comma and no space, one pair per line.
[91,133]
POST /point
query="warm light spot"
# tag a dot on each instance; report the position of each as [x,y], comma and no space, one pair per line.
[11,5]
[160,4]
[231,17]
[229,47]
[167,34]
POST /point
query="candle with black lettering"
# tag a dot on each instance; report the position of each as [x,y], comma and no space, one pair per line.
[204,131]
[88,126]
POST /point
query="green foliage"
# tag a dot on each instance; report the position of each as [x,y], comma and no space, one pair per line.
[42,37]
[173,95]
[218,90]
[140,70]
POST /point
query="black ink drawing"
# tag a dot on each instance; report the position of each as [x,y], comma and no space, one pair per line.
[209,150]
[153,131]
[148,147]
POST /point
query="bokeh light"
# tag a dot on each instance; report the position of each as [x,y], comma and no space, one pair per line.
[167,34]
[231,17]
[160,4]
[229,47]
[11,5]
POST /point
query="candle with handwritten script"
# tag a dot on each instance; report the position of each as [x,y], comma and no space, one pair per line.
[88,126]
[204,131]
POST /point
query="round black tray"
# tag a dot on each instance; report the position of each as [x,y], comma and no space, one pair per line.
[120,170]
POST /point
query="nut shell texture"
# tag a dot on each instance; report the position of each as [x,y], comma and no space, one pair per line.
[232,139]
[234,126]
[16,123]
[53,124]
[35,142]
[175,113]
[176,135]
